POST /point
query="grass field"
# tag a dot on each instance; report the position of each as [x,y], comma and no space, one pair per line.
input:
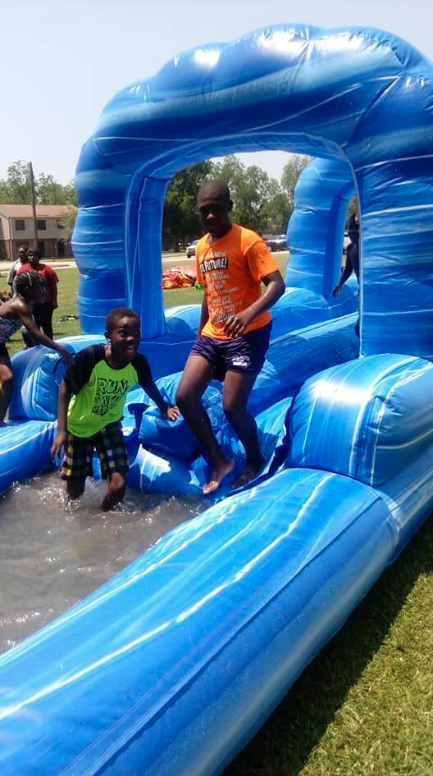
[365,704]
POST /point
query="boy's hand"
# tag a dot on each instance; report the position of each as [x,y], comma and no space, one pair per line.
[59,442]
[236,324]
[66,355]
[171,413]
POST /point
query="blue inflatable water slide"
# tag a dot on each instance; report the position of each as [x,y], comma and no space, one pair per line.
[173,665]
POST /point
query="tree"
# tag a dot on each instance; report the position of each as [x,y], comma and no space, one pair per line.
[352,206]
[259,201]
[277,209]
[16,188]
[291,173]
[67,221]
[51,192]
[181,222]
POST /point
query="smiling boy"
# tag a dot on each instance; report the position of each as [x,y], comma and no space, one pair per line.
[91,401]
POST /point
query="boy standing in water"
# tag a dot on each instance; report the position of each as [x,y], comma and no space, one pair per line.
[98,380]
[234,332]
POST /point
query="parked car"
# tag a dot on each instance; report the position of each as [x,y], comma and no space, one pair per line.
[346,241]
[190,249]
[278,242]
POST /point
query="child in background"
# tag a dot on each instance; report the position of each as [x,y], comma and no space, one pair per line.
[98,380]
[43,311]
[17,312]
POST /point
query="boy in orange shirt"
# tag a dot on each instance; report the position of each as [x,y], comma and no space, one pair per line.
[234,332]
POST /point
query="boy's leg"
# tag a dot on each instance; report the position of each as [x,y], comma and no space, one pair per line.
[77,465]
[113,456]
[7,384]
[196,376]
[245,358]
[115,491]
[237,388]
[44,319]
[28,339]
[75,488]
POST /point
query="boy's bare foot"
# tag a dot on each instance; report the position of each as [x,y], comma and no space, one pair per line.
[218,476]
[109,504]
[252,469]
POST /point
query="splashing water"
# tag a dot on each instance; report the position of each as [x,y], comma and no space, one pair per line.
[52,553]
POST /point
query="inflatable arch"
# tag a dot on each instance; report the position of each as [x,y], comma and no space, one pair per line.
[360,95]
[172,665]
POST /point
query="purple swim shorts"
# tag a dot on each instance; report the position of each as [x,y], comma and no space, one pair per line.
[245,354]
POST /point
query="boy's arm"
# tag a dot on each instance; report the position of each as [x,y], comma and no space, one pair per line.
[147,382]
[55,304]
[11,276]
[54,279]
[62,414]
[204,314]
[37,335]
[345,275]
[236,324]
[167,411]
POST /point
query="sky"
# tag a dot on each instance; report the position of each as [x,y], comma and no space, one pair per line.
[62,60]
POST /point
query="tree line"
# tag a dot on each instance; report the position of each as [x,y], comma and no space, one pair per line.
[15,189]
[260,202]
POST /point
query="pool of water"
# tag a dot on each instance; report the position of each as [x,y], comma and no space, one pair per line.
[52,554]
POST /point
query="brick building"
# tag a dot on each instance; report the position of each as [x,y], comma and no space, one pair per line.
[16,229]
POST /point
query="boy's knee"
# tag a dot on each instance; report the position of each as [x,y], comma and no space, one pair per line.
[183,399]
[6,377]
[7,382]
[231,407]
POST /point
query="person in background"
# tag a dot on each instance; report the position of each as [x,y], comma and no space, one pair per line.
[17,312]
[22,258]
[42,313]
[91,401]
[234,332]
[352,254]
[352,258]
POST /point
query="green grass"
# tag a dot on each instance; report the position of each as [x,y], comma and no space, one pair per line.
[365,704]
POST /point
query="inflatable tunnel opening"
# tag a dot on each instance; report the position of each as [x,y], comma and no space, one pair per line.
[138,250]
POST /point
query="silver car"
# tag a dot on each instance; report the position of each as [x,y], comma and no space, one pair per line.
[190,249]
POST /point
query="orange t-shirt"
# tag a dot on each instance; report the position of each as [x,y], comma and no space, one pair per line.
[231,270]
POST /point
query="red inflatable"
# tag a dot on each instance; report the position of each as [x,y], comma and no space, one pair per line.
[179,277]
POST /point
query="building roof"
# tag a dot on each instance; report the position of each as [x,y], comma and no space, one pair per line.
[42,211]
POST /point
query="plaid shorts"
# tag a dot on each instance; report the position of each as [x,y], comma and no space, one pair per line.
[110,446]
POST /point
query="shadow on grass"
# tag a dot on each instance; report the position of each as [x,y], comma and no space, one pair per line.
[283,745]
